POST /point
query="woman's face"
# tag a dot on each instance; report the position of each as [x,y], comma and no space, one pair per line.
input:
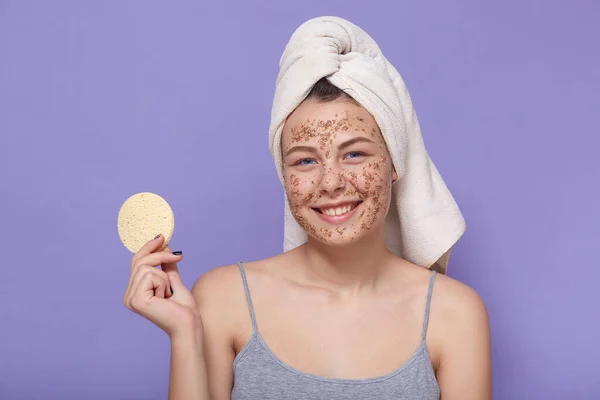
[337,171]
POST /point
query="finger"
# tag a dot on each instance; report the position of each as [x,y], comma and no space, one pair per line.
[134,280]
[139,275]
[153,259]
[141,266]
[151,285]
[172,270]
[169,266]
[156,259]
[150,247]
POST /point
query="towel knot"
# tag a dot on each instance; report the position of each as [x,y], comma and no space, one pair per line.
[325,44]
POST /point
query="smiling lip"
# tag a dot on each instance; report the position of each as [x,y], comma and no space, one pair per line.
[338,219]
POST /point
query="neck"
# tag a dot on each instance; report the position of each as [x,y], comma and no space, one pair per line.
[346,269]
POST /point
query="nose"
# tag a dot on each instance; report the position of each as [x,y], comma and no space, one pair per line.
[332,181]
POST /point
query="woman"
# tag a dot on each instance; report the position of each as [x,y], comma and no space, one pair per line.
[338,315]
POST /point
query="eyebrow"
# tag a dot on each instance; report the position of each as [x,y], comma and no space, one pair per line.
[342,146]
[350,142]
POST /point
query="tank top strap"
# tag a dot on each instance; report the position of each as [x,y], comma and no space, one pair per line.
[428,304]
[248,297]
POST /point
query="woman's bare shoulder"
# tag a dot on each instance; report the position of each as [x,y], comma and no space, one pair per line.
[449,292]
[458,314]
[224,285]
[218,293]
[456,299]
[453,303]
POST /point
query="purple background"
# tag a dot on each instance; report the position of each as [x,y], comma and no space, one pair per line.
[101,100]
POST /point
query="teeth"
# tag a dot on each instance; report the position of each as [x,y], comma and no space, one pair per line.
[336,211]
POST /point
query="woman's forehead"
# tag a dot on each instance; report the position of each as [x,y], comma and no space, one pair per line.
[314,120]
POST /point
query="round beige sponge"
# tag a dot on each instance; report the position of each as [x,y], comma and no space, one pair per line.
[142,217]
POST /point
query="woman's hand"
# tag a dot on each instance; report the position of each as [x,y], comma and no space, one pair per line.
[159,295]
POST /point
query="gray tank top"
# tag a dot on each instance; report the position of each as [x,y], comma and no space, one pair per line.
[260,375]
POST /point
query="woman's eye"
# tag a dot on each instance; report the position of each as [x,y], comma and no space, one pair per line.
[305,161]
[354,154]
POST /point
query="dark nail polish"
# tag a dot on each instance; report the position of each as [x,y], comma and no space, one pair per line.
[157,236]
[172,292]
[177,253]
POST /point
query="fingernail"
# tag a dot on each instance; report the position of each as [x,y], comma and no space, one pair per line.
[172,291]
[157,236]
[177,253]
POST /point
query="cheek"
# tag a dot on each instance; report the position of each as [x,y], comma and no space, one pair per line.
[291,184]
[300,189]
[372,178]
[373,184]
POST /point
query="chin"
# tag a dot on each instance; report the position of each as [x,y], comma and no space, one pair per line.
[337,235]
[338,242]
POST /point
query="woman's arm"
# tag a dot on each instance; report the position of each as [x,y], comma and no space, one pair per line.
[465,368]
[216,294]
[188,377]
[202,356]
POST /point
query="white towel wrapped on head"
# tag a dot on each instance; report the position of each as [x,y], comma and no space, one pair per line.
[424,221]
